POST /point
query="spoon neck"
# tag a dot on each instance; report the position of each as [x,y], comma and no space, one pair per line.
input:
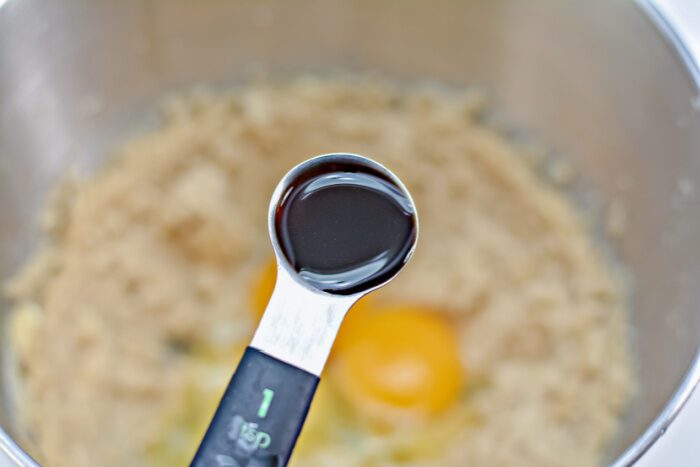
[300,325]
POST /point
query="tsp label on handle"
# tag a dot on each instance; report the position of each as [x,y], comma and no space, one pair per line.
[259,426]
[248,435]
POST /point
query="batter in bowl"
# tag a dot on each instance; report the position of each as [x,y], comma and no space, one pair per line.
[505,342]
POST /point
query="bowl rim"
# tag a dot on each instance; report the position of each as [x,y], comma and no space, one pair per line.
[670,33]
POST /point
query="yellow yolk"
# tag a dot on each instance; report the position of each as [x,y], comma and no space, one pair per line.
[397,363]
[262,289]
[392,363]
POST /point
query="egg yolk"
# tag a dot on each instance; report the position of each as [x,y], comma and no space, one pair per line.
[391,363]
[398,362]
[262,288]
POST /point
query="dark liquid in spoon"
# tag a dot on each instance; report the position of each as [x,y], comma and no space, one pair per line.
[345,228]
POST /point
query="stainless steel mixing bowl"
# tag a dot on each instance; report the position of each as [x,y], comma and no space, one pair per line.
[599,80]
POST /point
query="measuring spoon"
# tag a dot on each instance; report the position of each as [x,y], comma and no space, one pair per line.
[341,226]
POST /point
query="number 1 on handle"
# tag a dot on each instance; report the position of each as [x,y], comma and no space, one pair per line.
[268,394]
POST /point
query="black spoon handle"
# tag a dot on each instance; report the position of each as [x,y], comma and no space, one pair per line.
[260,415]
